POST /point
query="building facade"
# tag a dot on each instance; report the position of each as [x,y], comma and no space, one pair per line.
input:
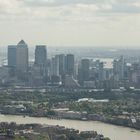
[22,57]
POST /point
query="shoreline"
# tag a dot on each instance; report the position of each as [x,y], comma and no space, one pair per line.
[54,118]
[108,130]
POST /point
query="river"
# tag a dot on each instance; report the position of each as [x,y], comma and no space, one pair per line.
[112,131]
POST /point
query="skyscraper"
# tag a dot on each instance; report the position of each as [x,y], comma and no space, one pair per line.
[22,57]
[12,56]
[62,64]
[55,77]
[119,67]
[40,55]
[84,70]
[55,66]
[69,64]
[101,71]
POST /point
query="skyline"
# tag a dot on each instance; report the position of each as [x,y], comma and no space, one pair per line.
[70,23]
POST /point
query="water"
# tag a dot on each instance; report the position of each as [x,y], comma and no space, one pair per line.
[112,131]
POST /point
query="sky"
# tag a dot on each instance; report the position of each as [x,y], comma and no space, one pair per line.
[70,22]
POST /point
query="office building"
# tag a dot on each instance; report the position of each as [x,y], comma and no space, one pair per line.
[85,64]
[22,57]
[119,68]
[40,55]
[62,65]
[69,64]
[12,56]
[70,82]
[55,66]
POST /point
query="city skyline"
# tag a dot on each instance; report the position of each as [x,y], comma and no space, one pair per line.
[71,23]
[66,71]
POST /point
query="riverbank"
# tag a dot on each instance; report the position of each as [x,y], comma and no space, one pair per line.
[125,122]
[108,130]
[13,131]
[122,109]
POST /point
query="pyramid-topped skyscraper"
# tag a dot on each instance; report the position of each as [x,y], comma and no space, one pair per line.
[18,56]
[22,43]
[22,56]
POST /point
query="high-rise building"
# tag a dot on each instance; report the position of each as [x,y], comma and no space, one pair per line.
[40,55]
[55,77]
[62,64]
[84,71]
[12,55]
[55,66]
[69,64]
[22,57]
[101,71]
[119,68]
[41,59]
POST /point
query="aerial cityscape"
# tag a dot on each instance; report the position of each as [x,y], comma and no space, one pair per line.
[102,88]
[69,70]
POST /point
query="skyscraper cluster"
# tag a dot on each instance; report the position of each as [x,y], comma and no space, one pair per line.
[44,71]
[64,70]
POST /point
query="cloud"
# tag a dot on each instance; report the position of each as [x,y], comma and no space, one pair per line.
[67,10]
[60,2]
[71,21]
[118,6]
[125,7]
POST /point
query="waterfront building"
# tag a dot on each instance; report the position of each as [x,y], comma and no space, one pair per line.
[118,68]
[62,70]
[55,77]
[41,59]
[69,64]
[70,82]
[61,64]
[36,76]
[55,66]
[121,67]
[40,55]
[89,84]
[22,57]
[101,71]
[12,55]
[4,75]
[84,71]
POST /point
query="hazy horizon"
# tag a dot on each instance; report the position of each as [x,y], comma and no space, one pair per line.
[107,47]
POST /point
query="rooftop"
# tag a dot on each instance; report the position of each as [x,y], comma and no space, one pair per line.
[22,42]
